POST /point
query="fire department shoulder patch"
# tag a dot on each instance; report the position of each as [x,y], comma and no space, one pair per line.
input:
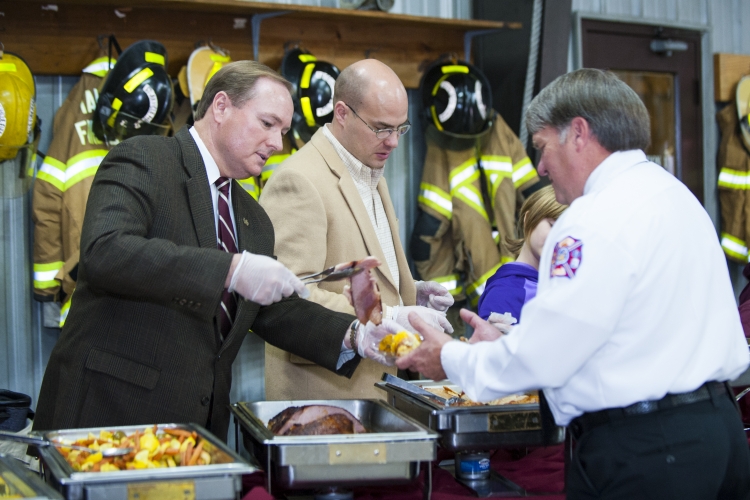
[566,258]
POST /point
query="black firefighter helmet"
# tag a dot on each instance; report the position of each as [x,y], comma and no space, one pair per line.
[137,95]
[313,83]
[456,98]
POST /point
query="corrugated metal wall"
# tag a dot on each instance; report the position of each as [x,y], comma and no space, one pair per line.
[729,19]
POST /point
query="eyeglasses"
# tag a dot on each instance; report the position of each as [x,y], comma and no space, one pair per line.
[384,132]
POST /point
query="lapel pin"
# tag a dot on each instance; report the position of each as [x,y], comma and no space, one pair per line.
[244,220]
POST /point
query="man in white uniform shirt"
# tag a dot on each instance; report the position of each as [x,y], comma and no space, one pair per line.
[329,203]
[634,329]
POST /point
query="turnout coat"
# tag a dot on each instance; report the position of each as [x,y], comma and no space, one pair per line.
[141,343]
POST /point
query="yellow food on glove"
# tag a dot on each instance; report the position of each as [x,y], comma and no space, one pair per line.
[399,344]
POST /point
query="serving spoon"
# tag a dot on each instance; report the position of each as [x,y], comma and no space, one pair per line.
[42,442]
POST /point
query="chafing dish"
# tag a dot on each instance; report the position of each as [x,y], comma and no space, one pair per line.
[219,480]
[389,453]
[16,481]
[471,428]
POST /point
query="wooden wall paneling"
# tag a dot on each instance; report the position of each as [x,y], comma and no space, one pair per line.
[62,42]
[728,69]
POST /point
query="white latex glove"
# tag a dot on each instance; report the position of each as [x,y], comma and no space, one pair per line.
[502,322]
[433,295]
[432,317]
[369,337]
[264,280]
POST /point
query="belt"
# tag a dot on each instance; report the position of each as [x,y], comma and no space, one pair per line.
[588,421]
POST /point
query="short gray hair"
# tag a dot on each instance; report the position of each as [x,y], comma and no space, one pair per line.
[238,80]
[617,116]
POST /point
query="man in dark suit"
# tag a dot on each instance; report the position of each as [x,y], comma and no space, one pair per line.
[151,337]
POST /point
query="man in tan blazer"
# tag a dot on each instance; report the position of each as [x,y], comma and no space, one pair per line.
[329,204]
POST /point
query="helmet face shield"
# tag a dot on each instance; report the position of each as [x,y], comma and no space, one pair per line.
[457,99]
[137,96]
[126,125]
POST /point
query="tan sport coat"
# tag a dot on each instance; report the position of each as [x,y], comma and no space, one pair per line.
[320,220]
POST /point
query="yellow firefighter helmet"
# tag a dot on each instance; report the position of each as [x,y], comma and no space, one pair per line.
[17,105]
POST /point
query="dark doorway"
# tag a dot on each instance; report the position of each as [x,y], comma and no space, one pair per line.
[663,66]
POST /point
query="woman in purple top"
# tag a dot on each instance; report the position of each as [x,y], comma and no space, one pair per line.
[515,283]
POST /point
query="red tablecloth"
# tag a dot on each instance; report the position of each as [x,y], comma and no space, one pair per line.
[539,472]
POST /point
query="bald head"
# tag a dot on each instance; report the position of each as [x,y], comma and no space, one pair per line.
[369,97]
[368,79]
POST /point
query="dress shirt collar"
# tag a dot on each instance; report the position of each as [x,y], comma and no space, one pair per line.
[212,169]
[361,173]
[611,167]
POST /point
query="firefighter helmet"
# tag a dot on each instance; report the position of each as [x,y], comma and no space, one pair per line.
[313,83]
[137,95]
[457,99]
[203,64]
[17,106]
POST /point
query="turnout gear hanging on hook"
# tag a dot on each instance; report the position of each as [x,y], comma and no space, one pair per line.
[734,174]
[137,96]
[474,172]
[62,187]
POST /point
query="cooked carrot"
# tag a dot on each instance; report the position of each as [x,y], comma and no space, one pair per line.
[196,453]
[178,433]
[188,453]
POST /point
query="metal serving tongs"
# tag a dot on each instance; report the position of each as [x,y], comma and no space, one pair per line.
[42,442]
[415,390]
[331,274]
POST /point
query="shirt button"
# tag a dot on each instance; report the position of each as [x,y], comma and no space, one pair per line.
[205,400]
[183,302]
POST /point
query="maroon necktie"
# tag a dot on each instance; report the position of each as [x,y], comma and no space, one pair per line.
[228,243]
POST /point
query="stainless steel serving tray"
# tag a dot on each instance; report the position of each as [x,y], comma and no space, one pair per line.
[16,479]
[216,481]
[472,428]
[388,454]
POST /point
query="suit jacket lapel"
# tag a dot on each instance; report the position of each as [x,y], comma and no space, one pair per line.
[354,200]
[199,193]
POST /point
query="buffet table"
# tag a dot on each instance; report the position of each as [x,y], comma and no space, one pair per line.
[539,472]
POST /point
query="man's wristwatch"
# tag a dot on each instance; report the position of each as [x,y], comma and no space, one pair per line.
[353,335]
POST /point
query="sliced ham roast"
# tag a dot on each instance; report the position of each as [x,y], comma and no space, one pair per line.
[315,420]
[365,292]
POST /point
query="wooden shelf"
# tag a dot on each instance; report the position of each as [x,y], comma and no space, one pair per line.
[61,40]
